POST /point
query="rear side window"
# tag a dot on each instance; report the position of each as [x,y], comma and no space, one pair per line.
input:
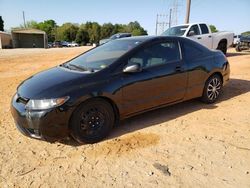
[191,51]
[204,29]
[157,54]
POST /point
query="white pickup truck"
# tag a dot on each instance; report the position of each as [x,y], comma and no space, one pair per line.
[201,33]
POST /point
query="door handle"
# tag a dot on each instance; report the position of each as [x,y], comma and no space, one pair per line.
[199,38]
[209,36]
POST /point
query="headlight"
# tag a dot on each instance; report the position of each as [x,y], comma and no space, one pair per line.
[15,97]
[44,104]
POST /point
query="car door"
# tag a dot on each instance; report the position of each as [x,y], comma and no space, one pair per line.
[196,61]
[194,33]
[206,37]
[163,78]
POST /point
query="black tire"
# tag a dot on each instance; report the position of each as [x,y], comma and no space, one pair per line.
[212,89]
[222,46]
[237,48]
[92,121]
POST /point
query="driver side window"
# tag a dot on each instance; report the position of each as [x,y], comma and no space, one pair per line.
[157,54]
[195,30]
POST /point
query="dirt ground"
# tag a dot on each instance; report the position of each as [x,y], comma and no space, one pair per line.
[186,145]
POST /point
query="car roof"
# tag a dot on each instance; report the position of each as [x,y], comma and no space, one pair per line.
[146,38]
[195,23]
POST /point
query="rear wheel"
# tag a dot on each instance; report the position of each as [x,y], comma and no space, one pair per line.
[212,89]
[237,48]
[222,46]
[92,121]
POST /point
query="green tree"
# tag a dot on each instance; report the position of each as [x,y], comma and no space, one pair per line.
[70,32]
[1,24]
[107,30]
[67,32]
[213,28]
[31,24]
[49,26]
[135,29]
[119,28]
[245,33]
[89,32]
[94,30]
[82,36]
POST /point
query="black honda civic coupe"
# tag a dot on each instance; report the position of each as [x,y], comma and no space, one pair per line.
[86,96]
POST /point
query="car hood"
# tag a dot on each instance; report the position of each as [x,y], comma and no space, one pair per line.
[52,83]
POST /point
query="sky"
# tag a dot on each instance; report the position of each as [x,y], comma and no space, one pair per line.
[226,15]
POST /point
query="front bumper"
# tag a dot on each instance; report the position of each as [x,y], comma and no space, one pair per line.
[49,125]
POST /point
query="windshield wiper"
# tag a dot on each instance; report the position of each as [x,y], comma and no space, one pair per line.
[76,67]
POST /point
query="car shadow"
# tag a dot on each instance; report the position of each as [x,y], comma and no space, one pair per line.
[233,89]
[232,54]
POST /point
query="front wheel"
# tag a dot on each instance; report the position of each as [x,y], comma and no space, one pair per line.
[92,121]
[212,89]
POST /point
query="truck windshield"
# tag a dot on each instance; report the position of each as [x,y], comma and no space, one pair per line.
[175,31]
[102,56]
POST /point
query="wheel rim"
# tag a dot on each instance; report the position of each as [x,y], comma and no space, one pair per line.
[213,89]
[91,121]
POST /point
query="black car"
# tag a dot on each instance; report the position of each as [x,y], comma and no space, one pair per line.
[114,37]
[244,43]
[86,96]
[57,44]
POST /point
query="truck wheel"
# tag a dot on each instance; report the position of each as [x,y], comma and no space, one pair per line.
[237,48]
[212,89]
[92,121]
[222,46]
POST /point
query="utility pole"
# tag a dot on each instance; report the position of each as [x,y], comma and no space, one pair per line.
[169,22]
[175,12]
[24,22]
[161,22]
[188,11]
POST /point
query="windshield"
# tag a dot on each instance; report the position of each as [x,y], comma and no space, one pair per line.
[175,31]
[102,56]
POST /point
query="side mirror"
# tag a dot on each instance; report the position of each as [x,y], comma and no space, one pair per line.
[191,33]
[136,67]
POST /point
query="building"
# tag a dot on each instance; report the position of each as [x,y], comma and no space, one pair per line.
[29,38]
[5,40]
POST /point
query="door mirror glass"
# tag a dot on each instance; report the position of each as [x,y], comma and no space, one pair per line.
[136,67]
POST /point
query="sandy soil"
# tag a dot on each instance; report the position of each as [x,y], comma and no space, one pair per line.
[186,145]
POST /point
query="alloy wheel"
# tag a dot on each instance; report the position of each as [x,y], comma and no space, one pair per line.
[213,89]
